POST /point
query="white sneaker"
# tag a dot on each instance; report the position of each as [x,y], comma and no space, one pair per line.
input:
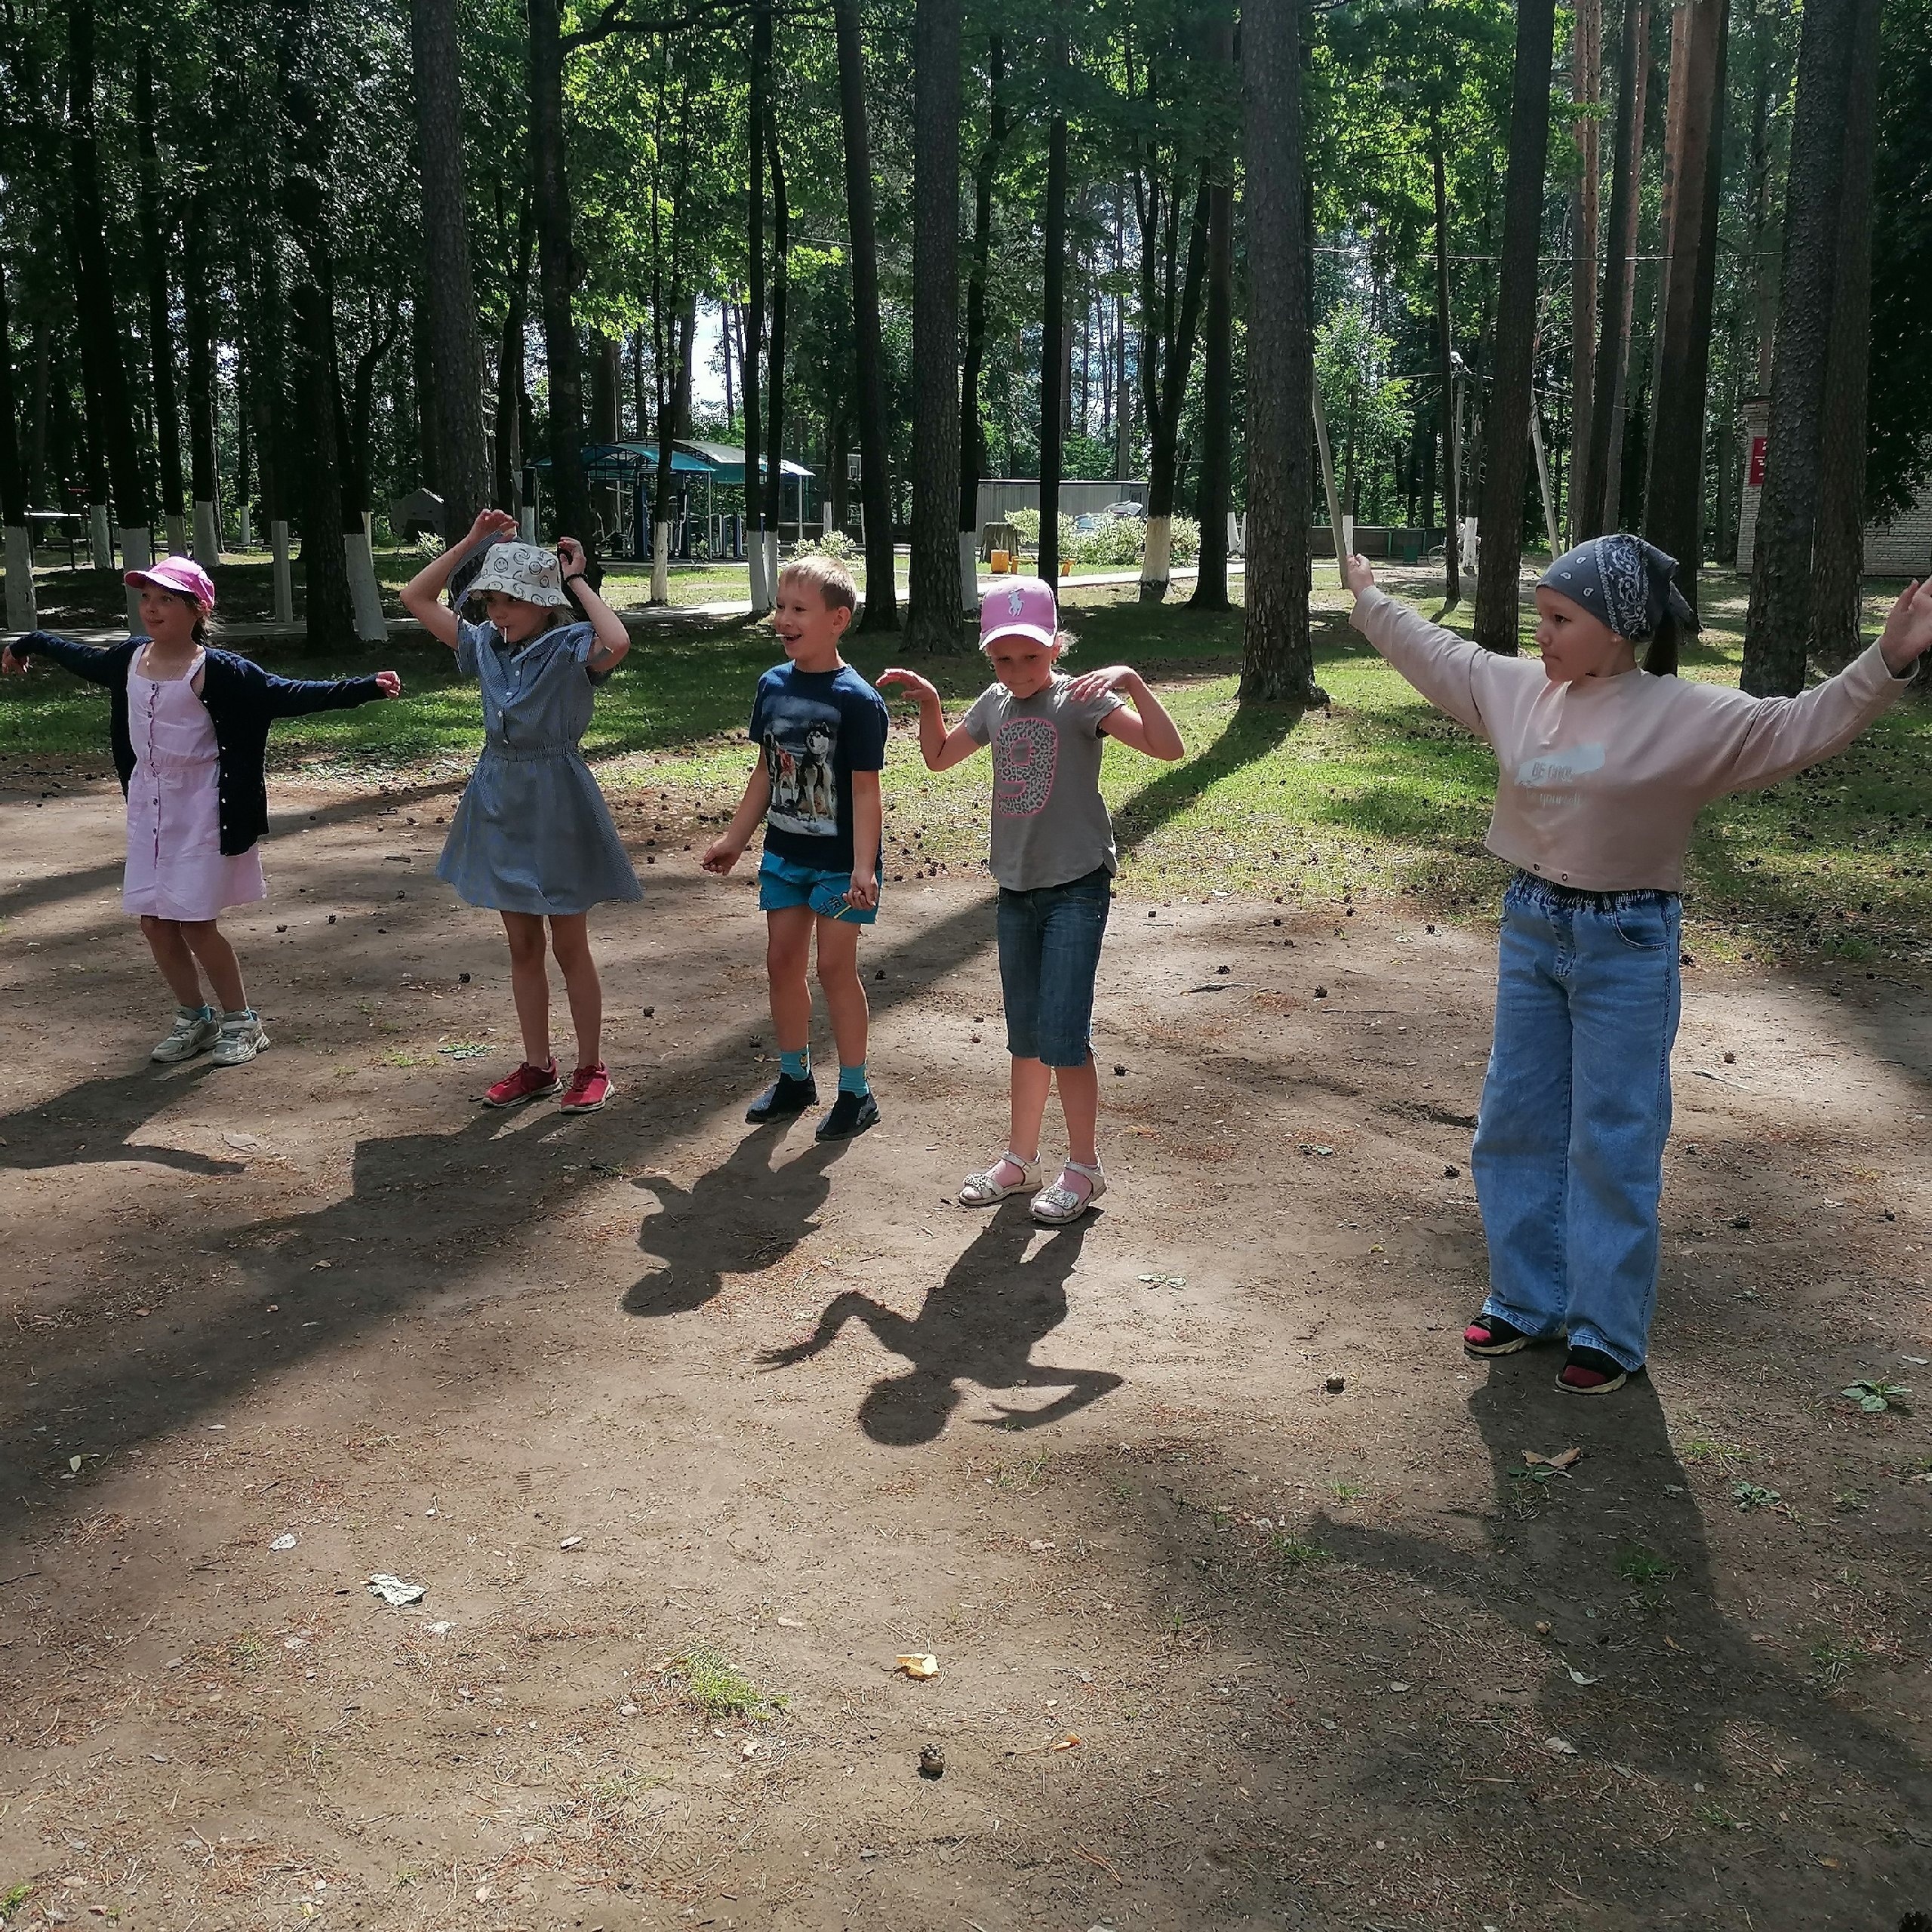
[194,1030]
[241,1039]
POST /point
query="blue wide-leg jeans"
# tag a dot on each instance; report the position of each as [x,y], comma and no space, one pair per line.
[1568,1159]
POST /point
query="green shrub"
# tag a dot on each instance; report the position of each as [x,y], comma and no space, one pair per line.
[835,544]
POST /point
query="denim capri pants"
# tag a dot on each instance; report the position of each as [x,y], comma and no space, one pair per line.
[1049,953]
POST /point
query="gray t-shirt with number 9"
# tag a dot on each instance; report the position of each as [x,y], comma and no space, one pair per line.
[1050,822]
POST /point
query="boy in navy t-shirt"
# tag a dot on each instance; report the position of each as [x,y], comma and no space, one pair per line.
[821,731]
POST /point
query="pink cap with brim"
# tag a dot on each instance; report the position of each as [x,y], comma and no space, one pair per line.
[1020,606]
[182,575]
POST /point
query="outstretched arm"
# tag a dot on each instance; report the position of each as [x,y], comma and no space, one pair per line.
[422,595]
[85,660]
[892,1330]
[939,748]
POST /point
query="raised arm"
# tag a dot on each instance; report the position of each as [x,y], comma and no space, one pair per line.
[1440,665]
[1757,741]
[422,595]
[939,748]
[1141,722]
[613,641]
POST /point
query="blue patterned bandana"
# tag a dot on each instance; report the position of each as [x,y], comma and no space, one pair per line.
[1627,583]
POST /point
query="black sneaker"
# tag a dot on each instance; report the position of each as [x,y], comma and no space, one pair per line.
[1590,1372]
[785,1099]
[1490,1335]
[849,1114]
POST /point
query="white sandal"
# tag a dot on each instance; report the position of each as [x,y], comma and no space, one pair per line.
[981,1190]
[1057,1205]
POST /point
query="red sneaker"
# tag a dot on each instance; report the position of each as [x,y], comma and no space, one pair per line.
[589,1088]
[527,1083]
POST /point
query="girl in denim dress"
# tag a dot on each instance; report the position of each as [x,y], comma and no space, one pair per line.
[532,839]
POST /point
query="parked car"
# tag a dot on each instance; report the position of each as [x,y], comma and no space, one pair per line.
[1084,525]
[1137,511]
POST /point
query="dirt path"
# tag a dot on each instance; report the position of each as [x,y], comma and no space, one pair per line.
[616,1388]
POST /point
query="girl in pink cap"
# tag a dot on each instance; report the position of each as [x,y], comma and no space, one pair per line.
[1053,854]
[189,727]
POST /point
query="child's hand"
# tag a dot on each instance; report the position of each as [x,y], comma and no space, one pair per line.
[721,855]
[11,661]
[917,688]
[862,894]
[1909,628]
[388,684]
[1357,575]
[570,556]
[1090,684]
[495,524]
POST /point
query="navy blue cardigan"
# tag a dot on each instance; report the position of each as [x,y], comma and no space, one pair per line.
[242,699]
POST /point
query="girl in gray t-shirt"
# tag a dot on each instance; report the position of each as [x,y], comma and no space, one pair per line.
[1053,854]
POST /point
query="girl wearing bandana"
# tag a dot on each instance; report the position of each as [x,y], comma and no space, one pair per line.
[1604,764]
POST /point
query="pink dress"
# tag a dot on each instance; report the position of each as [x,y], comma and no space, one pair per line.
[176,867]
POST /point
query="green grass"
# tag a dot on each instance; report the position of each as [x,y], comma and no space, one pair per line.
[715,1687]
[1378,797]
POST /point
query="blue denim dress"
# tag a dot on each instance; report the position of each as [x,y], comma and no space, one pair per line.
[532,833]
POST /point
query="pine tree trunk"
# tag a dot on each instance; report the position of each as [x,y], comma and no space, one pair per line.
[1507,421]
[509,494]
[1595,504]
[204,476]
[328,612]
[781,248]
[161,325]
[457,353]
[111,422]
[1838,569]
[1693,161]
[1177,357]
[22,611]
[933,617]
[1445,364]
[556,275]
[972,430]
[1778,625]
[1277,661]
[754,152]
[1587,77]
[881,607]
[1056,340]
[1210,582]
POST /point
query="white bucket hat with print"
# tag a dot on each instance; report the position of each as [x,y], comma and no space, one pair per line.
[521,570]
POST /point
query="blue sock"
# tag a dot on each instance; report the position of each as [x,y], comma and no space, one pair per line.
[852,1079]
[798,1065]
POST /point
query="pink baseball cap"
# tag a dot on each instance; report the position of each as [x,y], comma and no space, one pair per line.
[182,575]
[1020,606]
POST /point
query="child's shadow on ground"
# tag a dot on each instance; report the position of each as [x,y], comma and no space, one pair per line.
[96,1120]
[979,1325]
[739,1218]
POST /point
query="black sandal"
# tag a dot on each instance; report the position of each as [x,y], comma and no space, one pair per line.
[1490,1335]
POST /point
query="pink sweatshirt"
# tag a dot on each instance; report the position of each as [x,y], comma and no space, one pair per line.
[1599,784]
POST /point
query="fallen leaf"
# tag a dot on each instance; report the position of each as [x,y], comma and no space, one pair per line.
[571,1542]
[751,1747]
[1561,1746]
[1561,1462]
[243,1143]
[286,1541]
[916,1663]
[1066,1742]
[1576,1675]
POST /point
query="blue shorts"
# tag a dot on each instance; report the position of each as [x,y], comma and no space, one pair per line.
[1049,953]
[784,883]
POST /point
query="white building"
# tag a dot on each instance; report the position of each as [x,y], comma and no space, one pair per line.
[1901,548]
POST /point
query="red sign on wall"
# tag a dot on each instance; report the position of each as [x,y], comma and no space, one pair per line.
[1754,470]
